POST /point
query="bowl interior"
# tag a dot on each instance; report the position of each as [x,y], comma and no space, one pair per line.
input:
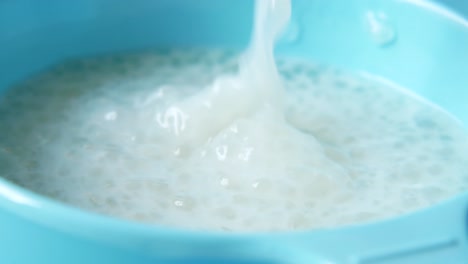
[428,55]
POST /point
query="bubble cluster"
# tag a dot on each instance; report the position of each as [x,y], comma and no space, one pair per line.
[90,133]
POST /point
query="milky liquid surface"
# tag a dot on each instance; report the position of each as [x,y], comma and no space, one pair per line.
[100,134]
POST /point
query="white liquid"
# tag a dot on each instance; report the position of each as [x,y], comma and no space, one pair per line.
[188,139]
[93,140]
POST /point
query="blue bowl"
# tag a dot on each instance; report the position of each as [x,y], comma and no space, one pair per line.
[429,55]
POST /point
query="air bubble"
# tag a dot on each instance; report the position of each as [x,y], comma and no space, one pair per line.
[224,182]
[179,203]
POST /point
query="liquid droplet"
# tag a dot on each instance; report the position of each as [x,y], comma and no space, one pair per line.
[381,29]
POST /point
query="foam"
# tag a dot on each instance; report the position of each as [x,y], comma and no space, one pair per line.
[348,150]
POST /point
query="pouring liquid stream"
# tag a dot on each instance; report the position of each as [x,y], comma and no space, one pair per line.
[255,94]
[256,86]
